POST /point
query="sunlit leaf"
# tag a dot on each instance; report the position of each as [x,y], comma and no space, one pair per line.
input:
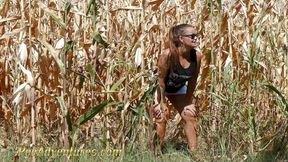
[28,74]
[23,54]
[17,99]
[20,88]
[138,56]
[60,43]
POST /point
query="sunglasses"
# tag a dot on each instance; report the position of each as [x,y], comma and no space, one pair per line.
[192,36]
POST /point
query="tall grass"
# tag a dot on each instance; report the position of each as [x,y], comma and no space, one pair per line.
[73,72]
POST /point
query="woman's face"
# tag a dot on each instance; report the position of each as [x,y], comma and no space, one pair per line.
[189,38]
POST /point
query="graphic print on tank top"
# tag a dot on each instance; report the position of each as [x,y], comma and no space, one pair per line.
[179,76]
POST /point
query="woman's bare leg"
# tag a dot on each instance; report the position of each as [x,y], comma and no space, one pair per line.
[158,119]
[161,129]
[189,114]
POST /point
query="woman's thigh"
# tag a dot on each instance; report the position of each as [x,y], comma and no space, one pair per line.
[179,102]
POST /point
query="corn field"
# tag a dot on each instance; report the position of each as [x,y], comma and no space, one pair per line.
[77,72]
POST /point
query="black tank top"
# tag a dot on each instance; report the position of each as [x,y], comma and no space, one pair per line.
[178,76]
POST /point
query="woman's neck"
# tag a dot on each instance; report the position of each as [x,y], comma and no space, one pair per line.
[184,52]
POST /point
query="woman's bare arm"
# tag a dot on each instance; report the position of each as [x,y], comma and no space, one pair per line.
[163,67]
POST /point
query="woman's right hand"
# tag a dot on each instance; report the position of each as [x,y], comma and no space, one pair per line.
[157,112]
[161,112]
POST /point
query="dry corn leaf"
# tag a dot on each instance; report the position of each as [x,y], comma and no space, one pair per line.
[54,54]
[54,16]
[130,8]
[156,4]
[20,88]
[224,24]
[5,8]
[17,99]
[9,19]
[12,33]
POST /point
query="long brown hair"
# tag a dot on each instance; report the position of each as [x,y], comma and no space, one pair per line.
[174,43]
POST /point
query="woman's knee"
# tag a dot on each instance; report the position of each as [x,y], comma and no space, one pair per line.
[189,113]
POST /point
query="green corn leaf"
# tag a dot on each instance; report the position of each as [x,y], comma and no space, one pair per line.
[271,87]
[69,46]
[208,54]
[116,85]
[149,93]
[64,110]
[61,102]
[69,121]
[92,74]
[51,13]
[146,96]
[98,39]
[82,80]
[94,111]
[256,34]
[67,6]
[219,5]
[92,2]
[210,3]
[58,20]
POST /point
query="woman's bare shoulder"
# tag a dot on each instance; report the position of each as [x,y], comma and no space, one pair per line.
[199,55]
[165,53]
